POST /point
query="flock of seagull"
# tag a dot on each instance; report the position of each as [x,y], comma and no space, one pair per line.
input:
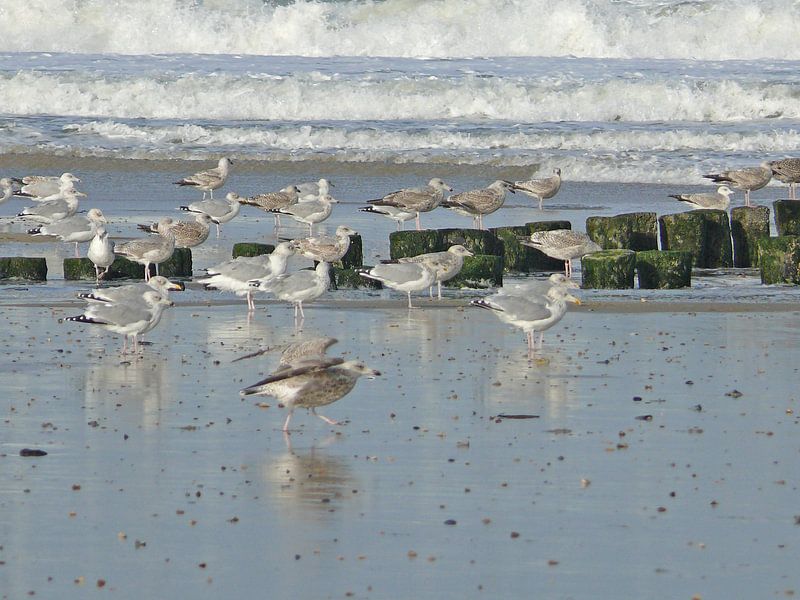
[306,376]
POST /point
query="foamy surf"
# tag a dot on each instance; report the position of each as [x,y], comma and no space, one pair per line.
[704,30]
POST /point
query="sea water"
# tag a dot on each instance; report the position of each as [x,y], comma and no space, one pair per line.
[647,91]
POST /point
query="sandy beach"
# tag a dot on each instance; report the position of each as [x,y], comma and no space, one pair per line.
[647,451]
[655,443]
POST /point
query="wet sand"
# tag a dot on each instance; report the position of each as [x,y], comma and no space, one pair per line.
[659,459]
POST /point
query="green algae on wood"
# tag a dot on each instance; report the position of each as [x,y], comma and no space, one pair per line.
[705,233]
[251,249]
[20,267]
[177,266]
[354,257]
[539,261]
[608,269]
[413,243]
[787,217]
[664,269]
[748,225]
[479,272]
[517,258]
[349,279]
[779,259]
[636,231]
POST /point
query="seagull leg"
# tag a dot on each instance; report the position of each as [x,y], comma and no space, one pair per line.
[288,418]
[540,203]
[419,225]
[147,272]
[324,418]
[541,339]
[409,300]
[250,304]
[439,286]
[77,255]
[217,224]
[156,268]
[400,226]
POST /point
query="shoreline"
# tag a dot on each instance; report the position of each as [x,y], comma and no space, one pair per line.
[604,306]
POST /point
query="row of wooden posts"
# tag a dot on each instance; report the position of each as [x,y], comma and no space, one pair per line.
[698,238]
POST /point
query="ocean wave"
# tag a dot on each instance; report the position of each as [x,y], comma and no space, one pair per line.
[648,153]
[693,29]
[306,97]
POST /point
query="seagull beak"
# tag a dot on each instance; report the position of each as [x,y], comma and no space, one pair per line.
[573,299]
[178,287]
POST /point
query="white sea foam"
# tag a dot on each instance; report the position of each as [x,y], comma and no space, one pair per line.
[696,29]
[234,97]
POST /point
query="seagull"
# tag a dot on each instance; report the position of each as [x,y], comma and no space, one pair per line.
[270,201]
[101,252]
[563,244]
[404,277]
[541,189]
[325,248]
[538,287]
[129,319]
[529,313]
[313,189]
[209,180]
[77,228]
[53,210]
[398,215]
[132,292]
[220,211]
[188,234]
[445,265]
[152,250]
[39,187]
[718,200]
[306,378]
[7,188]
[234,275]
[296,352]
[298,287]
[416,200]
[787,170]
[476,203]
[749,179]
[309,212]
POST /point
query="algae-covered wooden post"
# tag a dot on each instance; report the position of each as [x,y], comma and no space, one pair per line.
[414,243]
[177,265]
[632,231]
[538,260]
[354,257]
[779,259]
[251,249]
[20,267]
[480,271]
[342,279]
[516,257]
[705,233]
[608,269]
[664,269]
[477,241]
[787,217]
[121,268]
[748,225]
